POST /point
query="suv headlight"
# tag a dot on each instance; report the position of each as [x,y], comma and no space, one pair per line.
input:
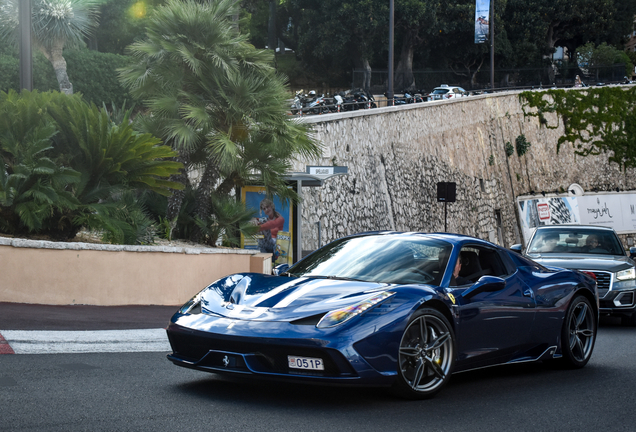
[628,274]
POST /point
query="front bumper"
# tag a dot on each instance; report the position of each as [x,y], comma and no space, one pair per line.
[616,298]
[266,357]
[618,303]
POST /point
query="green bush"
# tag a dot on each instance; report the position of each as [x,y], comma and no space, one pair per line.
[65,164]
[92,73]
[43,74]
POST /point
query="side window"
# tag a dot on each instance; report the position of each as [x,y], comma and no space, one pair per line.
[477,261]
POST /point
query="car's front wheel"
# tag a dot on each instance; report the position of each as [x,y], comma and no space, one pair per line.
[579,333]
[426,355]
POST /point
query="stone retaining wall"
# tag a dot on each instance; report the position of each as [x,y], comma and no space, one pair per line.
[396,156]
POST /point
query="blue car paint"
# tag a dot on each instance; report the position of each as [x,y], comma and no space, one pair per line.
[518,323]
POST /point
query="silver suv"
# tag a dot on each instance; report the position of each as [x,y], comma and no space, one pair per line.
[446,92]
[595,250]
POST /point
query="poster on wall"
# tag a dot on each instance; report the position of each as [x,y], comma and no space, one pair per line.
[275,225]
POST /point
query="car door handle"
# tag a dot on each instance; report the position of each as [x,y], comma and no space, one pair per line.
[528,293]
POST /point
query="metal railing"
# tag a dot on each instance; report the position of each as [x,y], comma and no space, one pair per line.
[557,75]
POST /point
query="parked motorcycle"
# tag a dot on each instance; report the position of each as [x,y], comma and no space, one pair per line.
[303,102]
[318,105]
[357,99]
[298,103]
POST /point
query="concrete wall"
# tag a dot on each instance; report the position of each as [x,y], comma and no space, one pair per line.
[82,273]
[396,156]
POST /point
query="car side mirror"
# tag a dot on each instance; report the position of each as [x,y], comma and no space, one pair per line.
[632,252]
[516,248]
[485,284]
[280,269]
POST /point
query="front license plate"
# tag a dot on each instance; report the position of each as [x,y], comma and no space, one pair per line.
[305,363]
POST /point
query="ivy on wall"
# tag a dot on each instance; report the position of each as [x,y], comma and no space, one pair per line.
[595,120]
[522,145]
[509,149]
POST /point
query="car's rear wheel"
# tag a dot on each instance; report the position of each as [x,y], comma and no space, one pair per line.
[426,355]
[579,333]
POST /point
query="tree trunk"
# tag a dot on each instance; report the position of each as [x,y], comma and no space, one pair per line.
[54,55]
[176,199]
[202,197]
[366,83]
[362,64]
[404,71]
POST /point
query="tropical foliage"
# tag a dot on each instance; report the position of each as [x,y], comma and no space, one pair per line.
[595,120]
[56,24]
[66,165]
[217,101]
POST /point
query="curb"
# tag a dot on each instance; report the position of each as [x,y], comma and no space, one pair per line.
[5,348]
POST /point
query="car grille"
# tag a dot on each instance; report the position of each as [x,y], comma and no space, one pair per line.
[265,357]
[603,282]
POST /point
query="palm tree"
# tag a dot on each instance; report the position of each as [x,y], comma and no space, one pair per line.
[217,100]
[56,24]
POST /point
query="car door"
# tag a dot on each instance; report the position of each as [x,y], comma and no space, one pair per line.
[494,325]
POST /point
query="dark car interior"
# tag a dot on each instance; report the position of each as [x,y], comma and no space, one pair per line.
[478,262]
[579,241]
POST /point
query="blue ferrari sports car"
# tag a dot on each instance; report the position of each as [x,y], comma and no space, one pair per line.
[401,310]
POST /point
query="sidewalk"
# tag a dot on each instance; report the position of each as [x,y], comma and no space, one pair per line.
[23,316]
[49,329]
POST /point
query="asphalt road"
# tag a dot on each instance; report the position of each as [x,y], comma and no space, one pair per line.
[145,392]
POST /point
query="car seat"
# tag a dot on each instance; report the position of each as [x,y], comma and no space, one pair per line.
[471,269]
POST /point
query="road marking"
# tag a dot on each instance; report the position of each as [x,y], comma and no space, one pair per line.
[88,341]
[5,348]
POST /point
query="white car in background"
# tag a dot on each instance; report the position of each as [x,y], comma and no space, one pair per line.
[447,92]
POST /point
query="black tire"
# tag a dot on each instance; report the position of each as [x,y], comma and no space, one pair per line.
[579,333]
[629,321]
[426,355]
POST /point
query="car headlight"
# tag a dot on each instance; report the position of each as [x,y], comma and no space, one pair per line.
[191,304]
[628,274]
[339,316]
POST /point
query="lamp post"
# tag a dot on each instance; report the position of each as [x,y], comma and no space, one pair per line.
[391,19]
[26,59]
[492,45]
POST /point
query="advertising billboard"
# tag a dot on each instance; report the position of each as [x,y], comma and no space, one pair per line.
[274,218]
[614,210]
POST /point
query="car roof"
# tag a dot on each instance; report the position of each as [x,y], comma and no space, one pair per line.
[448,237]
[571,226]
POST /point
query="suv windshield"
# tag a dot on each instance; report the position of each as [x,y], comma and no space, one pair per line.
[379,258]
[582,241]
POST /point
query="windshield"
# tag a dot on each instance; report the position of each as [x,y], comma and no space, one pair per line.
[440,91]
[379,258]
[579,241]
